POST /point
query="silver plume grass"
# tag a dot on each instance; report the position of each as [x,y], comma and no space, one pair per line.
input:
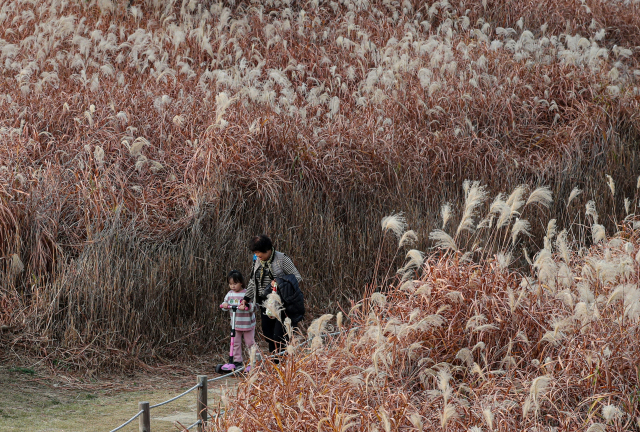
[488,417]
[16,266]
[598,233]
[515,200]
[521,226]
[542,196]
[611,184]
[445,212]
[611,412]
[590,210]
[273,305]
[409,238]
[539,387]
[574,193]
[474,197]
[395,223]
[414,258]
[563,247]
[443,240]
[448,413]
[318,325]
[551,229]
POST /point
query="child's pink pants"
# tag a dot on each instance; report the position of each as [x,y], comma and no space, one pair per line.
[248,336]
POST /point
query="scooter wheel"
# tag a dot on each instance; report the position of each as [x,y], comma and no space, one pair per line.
[219,369]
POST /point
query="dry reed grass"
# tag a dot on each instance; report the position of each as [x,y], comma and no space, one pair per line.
[140,145]
[471,346]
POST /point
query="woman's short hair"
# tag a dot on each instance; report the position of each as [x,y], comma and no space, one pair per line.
[235,276]
[260,243]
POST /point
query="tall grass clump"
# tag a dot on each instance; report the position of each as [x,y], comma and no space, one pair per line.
[190,126]
[471,343]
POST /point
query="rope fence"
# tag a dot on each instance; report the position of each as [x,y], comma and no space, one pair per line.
[195,424]
[127,422]
[144,415]
[175,398]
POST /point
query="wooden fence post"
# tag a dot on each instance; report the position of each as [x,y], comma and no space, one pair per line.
[145,417]
[202,402]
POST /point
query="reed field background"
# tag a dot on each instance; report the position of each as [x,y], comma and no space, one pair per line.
[142,143]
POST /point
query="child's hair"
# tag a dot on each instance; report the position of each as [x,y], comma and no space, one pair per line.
[236,276]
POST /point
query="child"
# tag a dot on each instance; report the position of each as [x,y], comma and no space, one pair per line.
[245,318]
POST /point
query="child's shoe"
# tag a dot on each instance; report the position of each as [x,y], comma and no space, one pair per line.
[229,367]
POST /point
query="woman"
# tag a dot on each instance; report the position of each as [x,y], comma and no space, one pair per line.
[269,265]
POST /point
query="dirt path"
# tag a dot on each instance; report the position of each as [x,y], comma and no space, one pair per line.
[32,401]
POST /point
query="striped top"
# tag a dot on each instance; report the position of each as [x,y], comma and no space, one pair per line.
[245,320]
[280,266]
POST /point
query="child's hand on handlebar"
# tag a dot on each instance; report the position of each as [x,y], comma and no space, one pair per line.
[224,305]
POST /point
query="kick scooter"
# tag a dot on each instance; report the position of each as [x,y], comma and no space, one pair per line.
[231,366]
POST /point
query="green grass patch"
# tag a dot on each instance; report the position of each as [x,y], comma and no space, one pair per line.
[23,370]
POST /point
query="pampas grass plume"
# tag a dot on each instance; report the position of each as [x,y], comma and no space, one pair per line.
[137,146]
[252,355]
[288,327]
[443,240]
[504,259]
[612,185]
[416,421]
[539,386]
[445,212]
[488,417]
[474,196]
[409,238]
[574,193]
[551,229]
[395,223]
[273,305]
[515,199]
[316,343]
[561,244]
[386,423]
[521,226]
[98,154]
[448,413]
[598,233]
[16,266]
[415,258]
[541,195]
[591,210]
[318,325]
[629,248]
[379,299]
[465,355]
[611,412]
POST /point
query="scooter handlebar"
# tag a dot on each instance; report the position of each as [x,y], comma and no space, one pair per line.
[233,307]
